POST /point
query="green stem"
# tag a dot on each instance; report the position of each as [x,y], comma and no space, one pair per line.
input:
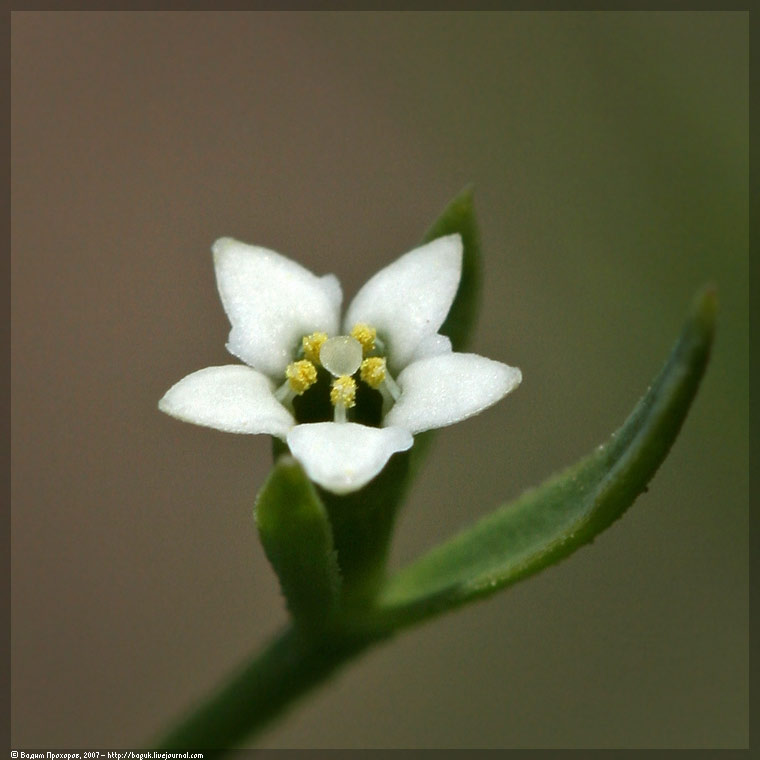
[288,668]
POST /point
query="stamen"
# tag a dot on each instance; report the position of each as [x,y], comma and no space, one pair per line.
[373,371]
[301,375]
[341,355]
[343,396]
[343,391]
[311,346]
[365,335]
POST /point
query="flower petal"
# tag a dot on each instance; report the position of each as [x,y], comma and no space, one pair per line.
[409,299]
[433,345]
[331,286]
[343,457]
[233,398]
[441,390]
[271,302]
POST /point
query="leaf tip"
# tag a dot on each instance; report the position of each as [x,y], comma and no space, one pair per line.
[287,462]
[705,308]
[467,192]
[286,477]
[464,199]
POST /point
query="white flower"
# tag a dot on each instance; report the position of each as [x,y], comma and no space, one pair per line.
[286,328]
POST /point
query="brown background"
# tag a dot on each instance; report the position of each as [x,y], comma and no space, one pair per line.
[609,153]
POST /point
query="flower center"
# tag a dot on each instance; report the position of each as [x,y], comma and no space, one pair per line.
[322,385]
[341,356]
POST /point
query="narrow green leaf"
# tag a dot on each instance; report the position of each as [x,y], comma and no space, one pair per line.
[550,522]
[297,539]
[459,216]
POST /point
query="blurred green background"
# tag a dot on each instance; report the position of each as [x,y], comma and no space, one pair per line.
[609,152]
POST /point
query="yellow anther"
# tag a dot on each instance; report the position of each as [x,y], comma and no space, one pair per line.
[365,335]
[343,392]
[373,371]
[301,375]
[311,345]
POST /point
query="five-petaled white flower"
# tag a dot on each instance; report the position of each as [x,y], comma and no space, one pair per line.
[286,328]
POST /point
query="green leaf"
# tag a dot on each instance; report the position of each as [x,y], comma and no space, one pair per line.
[298,541]
[569,510]
[459,216]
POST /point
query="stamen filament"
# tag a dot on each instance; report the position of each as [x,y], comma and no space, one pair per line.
[392,386]
[387,399]
[285,394]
